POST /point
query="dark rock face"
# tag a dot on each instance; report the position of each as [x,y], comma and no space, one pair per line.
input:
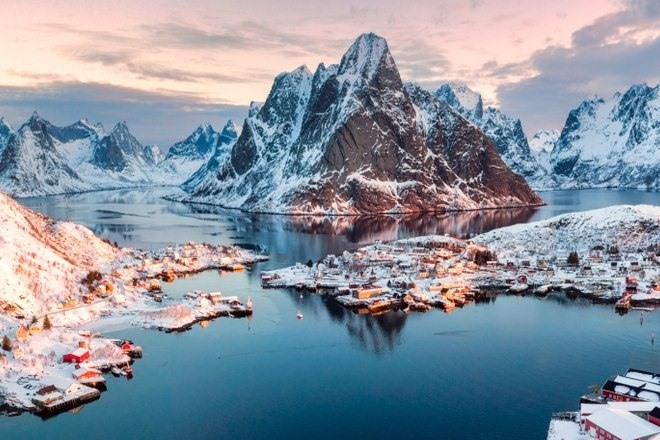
[506,133]
[199,144]
[352,139]
[115,151]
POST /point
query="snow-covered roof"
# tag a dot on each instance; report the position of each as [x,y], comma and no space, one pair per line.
[79,352]
[623,424]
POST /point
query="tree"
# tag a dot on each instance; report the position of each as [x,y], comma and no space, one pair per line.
[6,343]
[47,324]
[573,259]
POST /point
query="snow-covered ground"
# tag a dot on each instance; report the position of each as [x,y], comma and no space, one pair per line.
[58,277]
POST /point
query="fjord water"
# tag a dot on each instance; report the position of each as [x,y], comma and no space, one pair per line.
[494,370]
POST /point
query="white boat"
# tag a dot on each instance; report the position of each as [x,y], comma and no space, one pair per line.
[115,371]
[299,315]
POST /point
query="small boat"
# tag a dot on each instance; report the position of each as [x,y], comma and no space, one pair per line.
[127,371]
[299,315]
[115,371]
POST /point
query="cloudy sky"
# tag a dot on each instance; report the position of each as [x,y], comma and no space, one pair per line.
[165,66]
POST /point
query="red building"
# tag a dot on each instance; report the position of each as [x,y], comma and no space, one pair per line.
[77,356]
[616,424]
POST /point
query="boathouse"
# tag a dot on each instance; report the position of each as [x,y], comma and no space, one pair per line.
[610,423]
[47,395]
[77,356]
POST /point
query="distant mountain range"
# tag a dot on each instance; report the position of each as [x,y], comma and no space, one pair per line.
[42,159]
[353,138]
[613,143]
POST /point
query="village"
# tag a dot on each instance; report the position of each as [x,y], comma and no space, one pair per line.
[52,363]
[444,272]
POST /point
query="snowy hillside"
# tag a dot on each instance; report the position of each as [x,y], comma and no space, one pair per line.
[351,139]
[613,143]
[43,261]
[629,227]
[506,132]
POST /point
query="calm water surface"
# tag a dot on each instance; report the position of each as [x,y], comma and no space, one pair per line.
[493,370]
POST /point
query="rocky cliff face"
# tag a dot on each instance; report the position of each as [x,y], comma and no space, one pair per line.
[506,132]
[613,143]
[350,139]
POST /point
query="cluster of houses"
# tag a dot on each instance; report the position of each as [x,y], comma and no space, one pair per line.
[627,407]
[441,272]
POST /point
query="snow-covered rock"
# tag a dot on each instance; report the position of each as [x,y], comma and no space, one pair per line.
[613,143]
[185,158]
[507,133]
[541,145]
[351,139]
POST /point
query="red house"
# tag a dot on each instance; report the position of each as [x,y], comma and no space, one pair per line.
[616,424]
[77,356]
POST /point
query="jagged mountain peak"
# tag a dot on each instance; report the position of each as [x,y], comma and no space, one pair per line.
[350,140]
[365,57]
[229,132]
[460,96]
[34,117]
[5,125]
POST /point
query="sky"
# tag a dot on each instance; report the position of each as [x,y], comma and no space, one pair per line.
[166,66]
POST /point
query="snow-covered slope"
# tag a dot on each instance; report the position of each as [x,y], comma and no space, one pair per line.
[42,159]
[31,163]
[541,145]
[350,139]
[506,132]
[631,228]
[186,157]
[43,261]
[613,143]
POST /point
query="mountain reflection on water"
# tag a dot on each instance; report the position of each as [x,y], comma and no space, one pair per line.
[367,229]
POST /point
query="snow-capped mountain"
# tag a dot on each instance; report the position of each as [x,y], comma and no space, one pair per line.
[631,228]
[42,159]
[186,157]
[541,145]
[43,261]
[31,163]
[506,132]
[613,143]
[350,139]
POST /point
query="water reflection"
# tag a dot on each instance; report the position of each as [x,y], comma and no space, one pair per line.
[367,229]
[375,334]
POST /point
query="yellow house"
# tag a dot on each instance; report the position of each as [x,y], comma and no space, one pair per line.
[22,333]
